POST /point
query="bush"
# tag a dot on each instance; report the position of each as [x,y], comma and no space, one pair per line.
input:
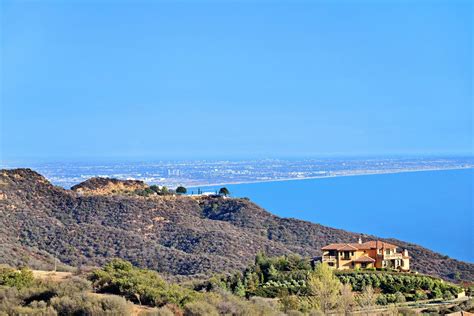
[290,302]
[181,190]
[399,298]
[72,286]
[138,285]
[224,191]
[420,295]
[14,278]
[200,308]
[115,305]
[382,299]
[83,304]
[67,306]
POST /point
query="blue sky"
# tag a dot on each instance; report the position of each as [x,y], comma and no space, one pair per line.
[208,79]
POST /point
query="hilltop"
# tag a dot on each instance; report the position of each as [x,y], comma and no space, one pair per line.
[175,235]
[108,186]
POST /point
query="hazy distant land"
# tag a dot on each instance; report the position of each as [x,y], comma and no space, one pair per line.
[211,173]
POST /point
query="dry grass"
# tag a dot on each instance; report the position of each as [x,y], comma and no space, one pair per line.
[51,275]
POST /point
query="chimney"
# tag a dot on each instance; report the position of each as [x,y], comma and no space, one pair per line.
[360,239]
[405,253]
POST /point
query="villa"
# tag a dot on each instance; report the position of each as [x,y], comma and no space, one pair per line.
[362,255]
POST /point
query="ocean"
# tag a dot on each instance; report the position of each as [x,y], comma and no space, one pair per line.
[431,208]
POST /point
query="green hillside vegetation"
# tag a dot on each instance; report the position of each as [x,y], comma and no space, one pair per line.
[272,286]
[21,294]
[398,287]
[297,282]
[138,285]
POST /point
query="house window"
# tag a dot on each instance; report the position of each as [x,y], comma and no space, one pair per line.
[352,253]
[387,251]
[363,265]
[346,255]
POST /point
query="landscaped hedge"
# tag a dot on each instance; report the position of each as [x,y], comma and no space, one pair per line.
[414,287]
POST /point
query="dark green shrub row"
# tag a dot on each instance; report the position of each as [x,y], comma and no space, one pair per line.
[287,275]
[414,287]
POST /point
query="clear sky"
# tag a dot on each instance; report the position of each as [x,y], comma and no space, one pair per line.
[234,79]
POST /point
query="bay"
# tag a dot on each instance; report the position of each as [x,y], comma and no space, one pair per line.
[431,208]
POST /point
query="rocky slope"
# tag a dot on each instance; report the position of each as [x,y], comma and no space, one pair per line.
[105,186]
[178,235]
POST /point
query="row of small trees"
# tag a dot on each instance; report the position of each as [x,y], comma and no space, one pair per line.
[222,191]
[154,189]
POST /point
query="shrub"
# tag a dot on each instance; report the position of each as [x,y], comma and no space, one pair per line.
[139,285]
[420,295]
[66,305]
[224,191]
[83,304]
[115,305]
[13,278]
[290,302]
[382,299]
[399,298]
[181,190]
[200,308]
[72,286]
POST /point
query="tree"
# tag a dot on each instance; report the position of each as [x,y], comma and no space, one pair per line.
[155,188]
[13,278]
[224,191]
[181,190]
[367,298]
[347,299]
[239,289]
[272,272]
[323,288]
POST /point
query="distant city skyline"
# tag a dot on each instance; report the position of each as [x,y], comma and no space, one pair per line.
[153,80]
[212,172]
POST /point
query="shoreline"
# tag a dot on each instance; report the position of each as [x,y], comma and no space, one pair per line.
[330,176]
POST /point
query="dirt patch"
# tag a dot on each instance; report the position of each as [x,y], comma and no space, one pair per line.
[51,275]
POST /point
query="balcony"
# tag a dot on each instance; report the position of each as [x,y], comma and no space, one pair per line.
[329,258]
[391,256]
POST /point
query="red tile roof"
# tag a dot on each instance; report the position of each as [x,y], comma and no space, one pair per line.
[364,259]
[334,246]
[375,244]
[348,247]
[356,246]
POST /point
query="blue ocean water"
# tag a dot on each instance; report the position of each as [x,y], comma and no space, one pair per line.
[431,208]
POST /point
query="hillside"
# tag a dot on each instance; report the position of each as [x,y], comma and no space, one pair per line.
[175,235]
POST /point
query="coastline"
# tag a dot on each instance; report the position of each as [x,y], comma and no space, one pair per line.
[330,176]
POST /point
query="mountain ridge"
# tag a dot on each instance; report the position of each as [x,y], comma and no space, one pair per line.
[177,235]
